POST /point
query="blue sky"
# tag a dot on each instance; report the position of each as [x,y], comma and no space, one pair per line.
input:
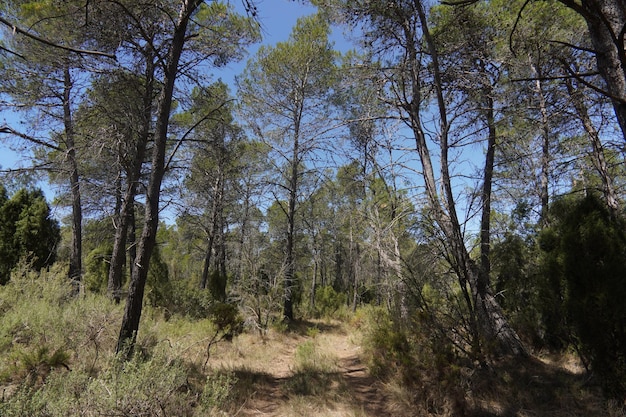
[277,18]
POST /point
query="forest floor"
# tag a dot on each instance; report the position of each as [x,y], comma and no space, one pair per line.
[318,369]
[315,370]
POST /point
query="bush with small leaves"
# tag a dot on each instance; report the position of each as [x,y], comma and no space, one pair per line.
[328,301]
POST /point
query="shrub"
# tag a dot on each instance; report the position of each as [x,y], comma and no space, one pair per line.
[189,301]
[585,265]
[387,348]
[218,391]
[328,301]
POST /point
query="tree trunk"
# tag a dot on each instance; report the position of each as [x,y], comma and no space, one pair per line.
[294,181]
[544,192]
[75,269]
[210,239]
[597,156]
[290,266]
[206,265]
[486,316]
[132,312]
[126,214]
[606,21]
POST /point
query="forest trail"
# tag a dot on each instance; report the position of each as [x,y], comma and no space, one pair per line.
[318,372]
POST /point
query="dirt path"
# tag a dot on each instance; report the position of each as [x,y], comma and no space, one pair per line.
[339,386]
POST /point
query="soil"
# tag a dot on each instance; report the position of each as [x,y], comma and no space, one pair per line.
[347,389]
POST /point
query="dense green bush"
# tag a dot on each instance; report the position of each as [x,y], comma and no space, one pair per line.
[188,300]
[97,269]
[328,301]
[585,267]
[27,231]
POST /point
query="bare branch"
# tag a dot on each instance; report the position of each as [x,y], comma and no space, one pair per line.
[10,131]
[17,29]
[2,48]
[517,20]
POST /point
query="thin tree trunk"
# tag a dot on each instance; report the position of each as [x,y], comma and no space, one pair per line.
[75,268]
[544,192]
[294,182]
[244,230]
[291,219]
[485,221]
[491,317]
[357,273]
[597,156]
[211,239]
[206,265]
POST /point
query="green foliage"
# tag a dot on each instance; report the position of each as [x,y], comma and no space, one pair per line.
[306,355]
[37,361]
[313,370]
[159,287]
[45,330]
[36,334]
[387,347]
[226,318]
[189,301]
[328,301]
[27,231]
[515,274]
[514,269]
[218,391]
[217,285]
[584,266]
[97,269]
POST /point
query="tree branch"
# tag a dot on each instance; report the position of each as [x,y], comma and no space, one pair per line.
[2,48]
[10,131]
[17,29]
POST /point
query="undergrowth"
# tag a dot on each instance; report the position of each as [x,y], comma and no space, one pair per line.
[57,358]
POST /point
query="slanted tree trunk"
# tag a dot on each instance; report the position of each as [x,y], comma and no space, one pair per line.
[606,21]
[486,316]
[597,156]
[132,311]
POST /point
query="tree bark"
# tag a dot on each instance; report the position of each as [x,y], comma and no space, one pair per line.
[118,256]
[606,22]
[132,312]
[75,268]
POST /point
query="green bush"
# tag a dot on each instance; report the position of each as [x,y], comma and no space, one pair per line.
[153,387]
[218,391]
[97,269]
[189,301]
[328,301]
[585,266]
[386,347]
